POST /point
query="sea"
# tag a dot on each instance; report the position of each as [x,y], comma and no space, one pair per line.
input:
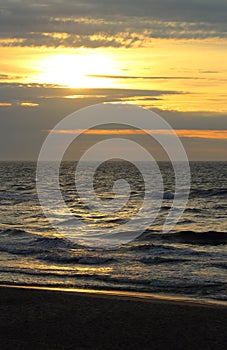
[188,261]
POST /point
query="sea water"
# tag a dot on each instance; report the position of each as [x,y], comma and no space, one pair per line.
[190,260]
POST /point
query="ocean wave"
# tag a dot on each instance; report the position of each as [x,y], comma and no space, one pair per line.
[210,192]
[160,260]
[222,265]
[169,196]
[185,221]
[193,237]
[17,241]
[74,259]
[193,210]
[52,249]
[139,247]
[197,193]
[90,260]
[186,237]
[220,207]
[165,208]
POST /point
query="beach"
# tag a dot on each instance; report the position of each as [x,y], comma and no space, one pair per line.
[58,319]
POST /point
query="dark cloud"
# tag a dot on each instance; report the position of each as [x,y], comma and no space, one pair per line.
[195,120]
[100,23]
[21,135]
[15,92]
[178,10]
[6,77]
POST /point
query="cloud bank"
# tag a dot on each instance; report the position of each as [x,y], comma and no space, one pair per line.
[100,23]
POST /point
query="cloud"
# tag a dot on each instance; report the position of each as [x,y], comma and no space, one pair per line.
[179,10]
[143,77]
[100,23]
[201,134]
[21,135]
[28,104]
[39,93]
[194,120]
[5,104]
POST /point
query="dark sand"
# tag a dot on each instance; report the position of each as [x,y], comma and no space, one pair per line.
[44,319]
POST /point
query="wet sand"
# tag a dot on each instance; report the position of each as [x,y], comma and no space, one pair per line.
[52,319]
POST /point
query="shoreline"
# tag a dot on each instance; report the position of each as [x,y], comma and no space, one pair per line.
[138,296]
[53,319]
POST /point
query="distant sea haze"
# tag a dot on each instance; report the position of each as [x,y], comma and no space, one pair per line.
[190,260]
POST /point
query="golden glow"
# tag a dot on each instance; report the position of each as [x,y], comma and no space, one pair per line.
[188,75]
[76,70]
[28,104]
[71,97]
[205,134]
[5,104]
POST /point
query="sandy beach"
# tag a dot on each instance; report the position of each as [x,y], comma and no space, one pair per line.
[53,319]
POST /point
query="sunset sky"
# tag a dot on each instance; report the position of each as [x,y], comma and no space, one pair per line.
[59,56]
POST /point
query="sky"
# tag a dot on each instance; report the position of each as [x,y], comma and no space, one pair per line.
[58,56]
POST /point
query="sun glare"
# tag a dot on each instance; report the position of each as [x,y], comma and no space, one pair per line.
[77,71]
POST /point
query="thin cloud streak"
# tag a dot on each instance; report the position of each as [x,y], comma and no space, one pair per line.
[204,134]
[5,104]
[28,104]
[142,77]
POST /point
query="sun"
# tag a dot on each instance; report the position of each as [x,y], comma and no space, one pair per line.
[78,70]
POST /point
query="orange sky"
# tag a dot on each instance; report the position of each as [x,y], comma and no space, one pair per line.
[60,56]
[204,134]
